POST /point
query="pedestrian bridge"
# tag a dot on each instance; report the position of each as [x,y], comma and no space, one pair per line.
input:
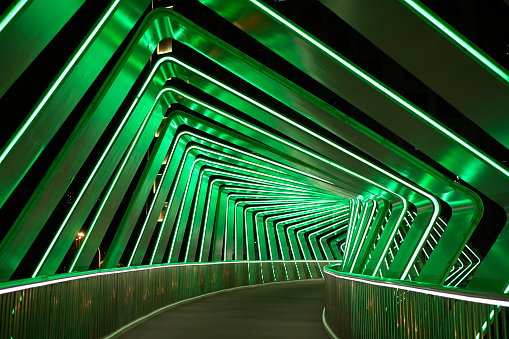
[157,155]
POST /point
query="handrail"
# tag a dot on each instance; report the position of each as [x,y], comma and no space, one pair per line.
[359,306]
[97,303]
[481,297]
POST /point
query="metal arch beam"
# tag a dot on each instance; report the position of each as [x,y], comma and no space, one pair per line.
[56,104]
[187,119]
[17,26]
[366,248]
[253,200]
[185,204]
[261,220]
[459,216]
[356,85]
[473,82]
[361,228]
[265,224]
[231,201]
[175,124]
[161,196]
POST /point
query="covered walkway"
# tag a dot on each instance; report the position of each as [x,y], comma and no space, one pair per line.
[155,152]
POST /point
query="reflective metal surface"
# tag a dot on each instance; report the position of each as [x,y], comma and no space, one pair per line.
[389,108]
[96,304]
[217,186]
[360,307]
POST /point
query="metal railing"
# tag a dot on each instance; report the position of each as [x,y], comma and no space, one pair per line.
[98,303]
[357,306]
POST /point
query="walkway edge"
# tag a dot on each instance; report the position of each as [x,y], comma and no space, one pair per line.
[329,330]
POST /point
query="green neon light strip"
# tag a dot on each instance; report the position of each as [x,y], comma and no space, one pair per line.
[261,158]
[467,256]
[94,171]
[305,206]
[205,223]
[366,228]
[351,228]
[351,246]
[333,243]
[251,163]
[435,203]
[258,238]
[14,11]
[458,38]
[219,164]
[112,186]
[307,212]
[55,85]
[192,134]
[236,227]
[287,208]
[409,224]
[355,209]
[316,135]
[226,216]
[307,217]
[279,139]
[393,95]
[235,219]
[185,194]
[284,141]
[155,198]
[300,209]
[314,219]
[326,247]
[326,229]
[351,224]
[297,236]
[312,154]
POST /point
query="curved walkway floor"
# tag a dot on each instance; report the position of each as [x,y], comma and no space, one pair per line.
[279,310]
